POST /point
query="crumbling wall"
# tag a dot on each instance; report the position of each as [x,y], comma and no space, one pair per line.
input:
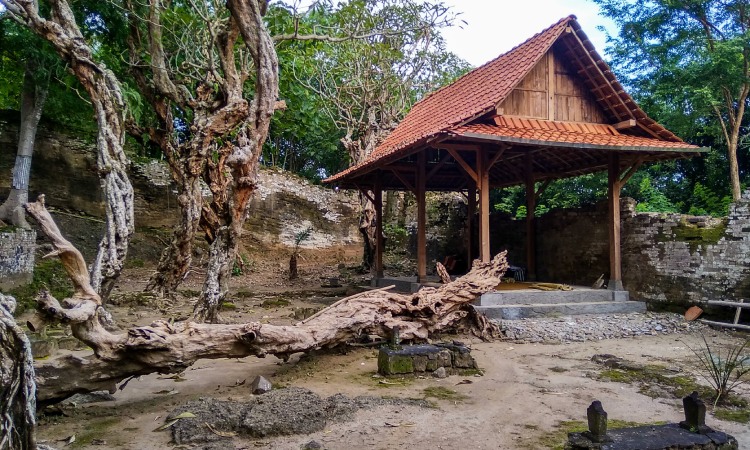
[671,258]
[16,258]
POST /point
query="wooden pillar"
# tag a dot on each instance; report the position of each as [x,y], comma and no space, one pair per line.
[483,175]
[471,209]
[378,193]
[614,187]
[530,209]
[421,218]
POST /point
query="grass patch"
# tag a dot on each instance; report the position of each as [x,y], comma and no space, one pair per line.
[656,381]
[96,429]
[134,263]
[274,303]
[228,306]
[558,369]
[443,393]
[557,438]
[48,274]
[740,415]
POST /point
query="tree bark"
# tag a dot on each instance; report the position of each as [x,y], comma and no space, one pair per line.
[172,347]
[233,176]
[103,89]
[17,385]
[33,96]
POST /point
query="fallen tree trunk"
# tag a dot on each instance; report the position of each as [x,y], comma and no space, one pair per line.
[171,347]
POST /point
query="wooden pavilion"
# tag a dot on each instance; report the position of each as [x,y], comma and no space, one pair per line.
[550,108]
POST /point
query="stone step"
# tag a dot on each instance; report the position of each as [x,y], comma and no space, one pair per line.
[522,311]
[535,297]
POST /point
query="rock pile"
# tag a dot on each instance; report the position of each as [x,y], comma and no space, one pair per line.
[593,327]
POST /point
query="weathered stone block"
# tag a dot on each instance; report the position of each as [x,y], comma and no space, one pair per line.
[391,362]
[42,347]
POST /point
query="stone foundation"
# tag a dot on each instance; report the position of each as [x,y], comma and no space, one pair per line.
[408,359]
[16,258]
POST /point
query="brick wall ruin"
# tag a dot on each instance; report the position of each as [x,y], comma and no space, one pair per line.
[666,257]
[16,257]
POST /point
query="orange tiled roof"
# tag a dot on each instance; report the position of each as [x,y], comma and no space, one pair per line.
[578,134]
[478,92]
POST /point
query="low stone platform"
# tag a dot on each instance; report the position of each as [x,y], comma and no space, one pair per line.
[529,303]
[405,284]
[406,359]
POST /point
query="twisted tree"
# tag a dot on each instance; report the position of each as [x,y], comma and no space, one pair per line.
[59,27]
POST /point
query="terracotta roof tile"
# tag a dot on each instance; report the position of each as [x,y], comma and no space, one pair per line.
[481,90]
[551,132]
[476,92]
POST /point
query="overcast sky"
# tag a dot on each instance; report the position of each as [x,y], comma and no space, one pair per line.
[496,26]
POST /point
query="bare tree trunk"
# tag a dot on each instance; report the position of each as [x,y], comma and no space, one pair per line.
[177,257]
[170,347]
[17,385]
[368,230]
[33,96]
[103,88]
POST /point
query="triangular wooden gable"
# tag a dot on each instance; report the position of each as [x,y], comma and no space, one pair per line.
[552,90]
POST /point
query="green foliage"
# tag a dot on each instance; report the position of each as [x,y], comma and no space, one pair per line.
[688,64]
[49,274]
[724,369]
[705,202]
[359,88]
[652,199]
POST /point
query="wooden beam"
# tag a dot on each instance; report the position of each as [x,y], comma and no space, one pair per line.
[366,193]
[550,85]
[631,171]
[405,182]
[378,227]
[464,165]
[542,188]
[421,219]
[471,208]
[530,209]
[497,156]
[614,187]
[625,124]
[484,205]
[438,166]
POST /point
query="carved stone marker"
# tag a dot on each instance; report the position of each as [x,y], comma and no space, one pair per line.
[695,414]
[597,422]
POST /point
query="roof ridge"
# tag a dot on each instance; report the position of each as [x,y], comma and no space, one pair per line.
[516,47]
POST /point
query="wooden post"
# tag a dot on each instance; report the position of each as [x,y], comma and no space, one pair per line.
[378,191]
[614,187]
[421,219]
[471,209]
[530,209]
[483,174]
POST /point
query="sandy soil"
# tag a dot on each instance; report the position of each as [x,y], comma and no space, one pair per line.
[519,398]
[526,391]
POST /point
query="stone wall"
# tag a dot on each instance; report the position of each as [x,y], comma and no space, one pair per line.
[16,257]
[671,258]
[64,169]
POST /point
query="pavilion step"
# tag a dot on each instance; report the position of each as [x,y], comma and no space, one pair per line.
[513,312]
[533,297]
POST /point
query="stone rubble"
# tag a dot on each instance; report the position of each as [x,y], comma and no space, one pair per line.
[585,328]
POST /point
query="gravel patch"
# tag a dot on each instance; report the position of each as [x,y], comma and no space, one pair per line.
[595,327]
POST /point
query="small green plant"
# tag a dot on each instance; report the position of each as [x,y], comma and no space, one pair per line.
[299,238]
[723,370]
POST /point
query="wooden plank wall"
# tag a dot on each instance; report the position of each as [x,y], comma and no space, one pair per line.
[569,99]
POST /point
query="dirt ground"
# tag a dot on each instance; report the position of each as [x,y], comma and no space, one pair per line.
[526,392]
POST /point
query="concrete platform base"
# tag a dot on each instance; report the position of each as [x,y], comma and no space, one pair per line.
[527,303]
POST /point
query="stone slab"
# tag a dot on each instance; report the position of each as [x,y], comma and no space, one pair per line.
[656,437]
[514,312]
[534,297]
